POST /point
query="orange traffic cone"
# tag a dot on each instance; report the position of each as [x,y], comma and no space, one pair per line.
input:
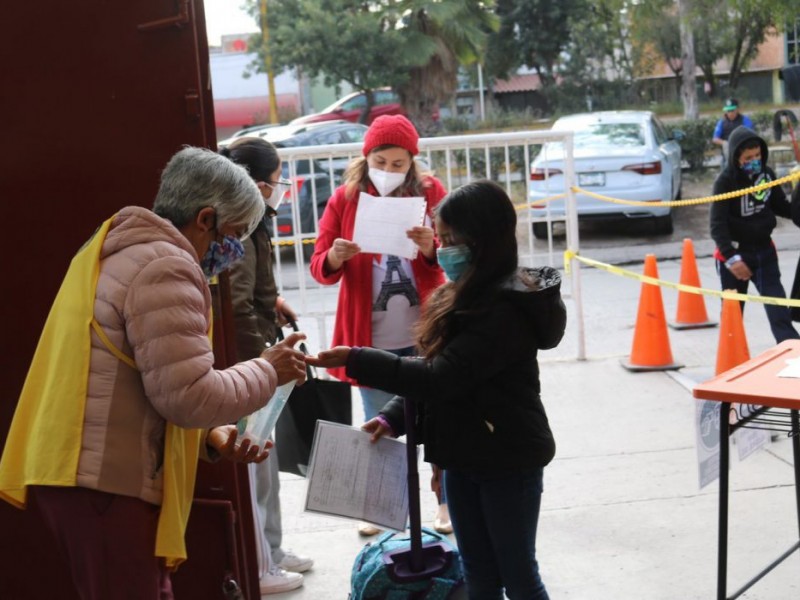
[691,313]
[732,350]
[650,351]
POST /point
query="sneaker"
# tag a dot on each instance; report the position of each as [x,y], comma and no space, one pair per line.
[277,580]
[367,529]
[294,563]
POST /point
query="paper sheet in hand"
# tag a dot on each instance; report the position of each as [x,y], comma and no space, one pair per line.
[381,224]
[351,477]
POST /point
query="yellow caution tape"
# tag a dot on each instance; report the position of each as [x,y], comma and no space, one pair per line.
[708,199]
[291,242]
[569,256]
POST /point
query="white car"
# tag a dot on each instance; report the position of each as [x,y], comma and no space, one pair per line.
[627,155]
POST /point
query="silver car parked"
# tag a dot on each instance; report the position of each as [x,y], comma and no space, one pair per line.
[627,155]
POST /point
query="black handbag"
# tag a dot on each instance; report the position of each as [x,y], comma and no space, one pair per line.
[316,399]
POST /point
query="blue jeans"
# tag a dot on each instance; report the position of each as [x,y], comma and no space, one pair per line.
[767,279]
[494,521]
[374,400]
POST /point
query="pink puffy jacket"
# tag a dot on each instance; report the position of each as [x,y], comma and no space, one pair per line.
[154,304]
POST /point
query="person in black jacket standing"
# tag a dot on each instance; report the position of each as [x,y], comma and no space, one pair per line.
[742,227]
[481,417]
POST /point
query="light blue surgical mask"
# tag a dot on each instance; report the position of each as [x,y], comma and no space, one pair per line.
[220,257]
[454,260]
[752,167]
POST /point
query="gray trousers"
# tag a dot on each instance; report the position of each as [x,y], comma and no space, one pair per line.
[268,487]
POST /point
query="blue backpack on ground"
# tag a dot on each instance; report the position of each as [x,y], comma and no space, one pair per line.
[422,565]
[382,569]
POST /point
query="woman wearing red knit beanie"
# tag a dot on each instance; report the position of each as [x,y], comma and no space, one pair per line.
[379,296]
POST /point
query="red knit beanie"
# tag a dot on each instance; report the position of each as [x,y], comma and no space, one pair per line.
[391,130]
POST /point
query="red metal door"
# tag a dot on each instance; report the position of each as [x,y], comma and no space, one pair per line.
[95,97]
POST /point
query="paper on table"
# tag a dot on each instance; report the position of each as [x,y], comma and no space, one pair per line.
[381,224]
[351,477]
[792,368]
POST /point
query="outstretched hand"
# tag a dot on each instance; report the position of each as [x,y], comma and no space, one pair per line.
[328,359]
[288,363]
[223,440]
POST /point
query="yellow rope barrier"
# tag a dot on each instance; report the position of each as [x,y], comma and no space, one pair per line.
[569,256]
[291,242]
[690,202]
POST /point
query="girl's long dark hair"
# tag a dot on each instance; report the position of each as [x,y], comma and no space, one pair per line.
[482,215]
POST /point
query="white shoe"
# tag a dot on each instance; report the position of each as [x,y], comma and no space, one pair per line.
[277,580]
[295,563]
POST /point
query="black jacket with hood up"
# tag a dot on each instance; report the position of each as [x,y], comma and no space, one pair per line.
[479,398]
[745,221]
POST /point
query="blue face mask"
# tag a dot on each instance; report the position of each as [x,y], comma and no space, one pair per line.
[752,167]
[221,256]
[454,260]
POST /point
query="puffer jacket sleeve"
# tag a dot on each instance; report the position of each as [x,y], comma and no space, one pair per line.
[166,314]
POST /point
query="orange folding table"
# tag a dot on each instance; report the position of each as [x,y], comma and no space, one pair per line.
[758,398]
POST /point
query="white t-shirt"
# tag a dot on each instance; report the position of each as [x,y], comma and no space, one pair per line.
[395,303]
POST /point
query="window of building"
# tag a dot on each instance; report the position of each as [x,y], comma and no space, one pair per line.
[793,43]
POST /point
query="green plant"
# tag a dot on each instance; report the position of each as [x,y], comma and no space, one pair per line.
[696,140]
[762,122]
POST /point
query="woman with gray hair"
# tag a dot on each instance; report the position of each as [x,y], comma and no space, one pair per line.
[122,395]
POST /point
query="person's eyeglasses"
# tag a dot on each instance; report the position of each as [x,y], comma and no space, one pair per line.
[285,183]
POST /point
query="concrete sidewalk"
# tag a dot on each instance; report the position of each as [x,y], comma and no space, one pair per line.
[623,516]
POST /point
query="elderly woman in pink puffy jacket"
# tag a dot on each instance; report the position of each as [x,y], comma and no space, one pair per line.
[122,395]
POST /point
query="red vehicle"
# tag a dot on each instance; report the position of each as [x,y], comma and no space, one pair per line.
[350,108]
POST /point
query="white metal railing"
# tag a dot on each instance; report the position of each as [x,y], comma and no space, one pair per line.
[455,160]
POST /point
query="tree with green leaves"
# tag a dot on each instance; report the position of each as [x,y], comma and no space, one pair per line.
[732,30]
[441,34]
[412,46]
[600,47]
[337,40]
[532,33]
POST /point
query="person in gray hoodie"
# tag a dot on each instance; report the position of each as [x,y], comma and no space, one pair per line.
[742,227]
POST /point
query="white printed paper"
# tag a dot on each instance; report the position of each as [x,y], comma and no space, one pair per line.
[707,423]
[351,477]
[381,224]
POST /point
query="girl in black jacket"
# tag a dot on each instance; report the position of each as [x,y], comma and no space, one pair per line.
[477,384]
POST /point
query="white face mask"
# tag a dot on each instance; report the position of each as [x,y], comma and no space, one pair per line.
[279,190]
[386,182]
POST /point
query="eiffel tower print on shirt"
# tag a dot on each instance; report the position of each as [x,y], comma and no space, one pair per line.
[390,287]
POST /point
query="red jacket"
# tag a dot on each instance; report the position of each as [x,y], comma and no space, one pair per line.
[353,326]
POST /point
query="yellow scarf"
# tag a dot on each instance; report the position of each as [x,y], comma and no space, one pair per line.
[44,441]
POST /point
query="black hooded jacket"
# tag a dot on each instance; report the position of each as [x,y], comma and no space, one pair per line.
[479,398]
[745,221]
